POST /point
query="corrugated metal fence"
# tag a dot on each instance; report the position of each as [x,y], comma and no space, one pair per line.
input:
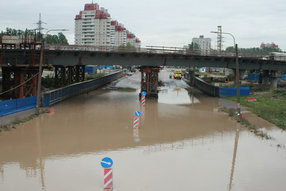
[54,96]
[213,90]
[203,86]
[9,107]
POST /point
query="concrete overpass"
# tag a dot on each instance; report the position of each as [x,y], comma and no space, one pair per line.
[142,57]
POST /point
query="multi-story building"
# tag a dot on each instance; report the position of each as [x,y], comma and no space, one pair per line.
[93,26]
[204,44]
[268,45]
[118,34]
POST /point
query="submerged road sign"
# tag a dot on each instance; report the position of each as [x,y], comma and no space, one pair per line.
[137,113]
[106,162]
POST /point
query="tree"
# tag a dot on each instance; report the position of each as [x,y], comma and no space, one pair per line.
[128,47]
[56,39]
[194,47]
[50,39]
[254,51]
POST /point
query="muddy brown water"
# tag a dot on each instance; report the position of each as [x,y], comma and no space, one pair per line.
[183,143]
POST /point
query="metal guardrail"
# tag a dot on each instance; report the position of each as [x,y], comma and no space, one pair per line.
[57,95]
[149,49]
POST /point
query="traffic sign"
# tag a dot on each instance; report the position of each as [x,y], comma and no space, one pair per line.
[143,93]
[137,113]
[106,162]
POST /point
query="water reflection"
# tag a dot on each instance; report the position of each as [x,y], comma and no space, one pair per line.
[176,96]
[234,156]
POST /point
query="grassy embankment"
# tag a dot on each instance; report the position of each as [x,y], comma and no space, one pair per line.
[270,105]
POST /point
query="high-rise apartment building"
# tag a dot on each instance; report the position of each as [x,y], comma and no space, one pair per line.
[93,26]
[203,43]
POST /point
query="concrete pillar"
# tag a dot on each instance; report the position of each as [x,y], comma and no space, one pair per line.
[149,81]
[265,77]
[274,79]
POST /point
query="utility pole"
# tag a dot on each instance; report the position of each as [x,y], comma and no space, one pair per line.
[237,77]
[40,69]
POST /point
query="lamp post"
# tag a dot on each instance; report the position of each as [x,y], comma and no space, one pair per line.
[40,69]
[236,76]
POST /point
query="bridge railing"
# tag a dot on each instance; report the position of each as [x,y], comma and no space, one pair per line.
[57,95]
[149,49]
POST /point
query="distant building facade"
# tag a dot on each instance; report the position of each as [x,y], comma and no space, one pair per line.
[268,45]
[203,43]
[94,27]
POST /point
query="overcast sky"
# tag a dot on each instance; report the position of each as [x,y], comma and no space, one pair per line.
[163,22]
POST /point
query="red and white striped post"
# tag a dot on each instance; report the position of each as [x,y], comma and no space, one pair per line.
[143,101]
[143,94]
[136,120]
[108,184]
[136,123]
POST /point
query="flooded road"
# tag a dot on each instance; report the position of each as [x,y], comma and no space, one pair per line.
[183,143]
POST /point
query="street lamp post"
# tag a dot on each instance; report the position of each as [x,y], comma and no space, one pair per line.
[236,76]
[40,69]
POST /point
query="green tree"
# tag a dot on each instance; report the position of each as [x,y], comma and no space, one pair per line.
[126,47]
[56,39]
[255,50]
[194,47]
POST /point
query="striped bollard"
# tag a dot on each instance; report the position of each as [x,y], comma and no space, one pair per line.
[136,120]
[108,184]
[107,163]
[143,94]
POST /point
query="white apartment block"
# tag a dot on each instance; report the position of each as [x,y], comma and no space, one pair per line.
[204,44]
[93,26]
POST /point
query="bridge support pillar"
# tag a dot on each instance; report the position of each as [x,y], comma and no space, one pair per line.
[149,81]
[22,81]
[274,79]
[65,75]
[265,77]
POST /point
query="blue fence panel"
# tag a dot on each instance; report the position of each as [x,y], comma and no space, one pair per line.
[229,92]
[17,105]
[283,76]
[54,96]
[253,77]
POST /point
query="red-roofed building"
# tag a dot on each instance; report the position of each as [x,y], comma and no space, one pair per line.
[93,26]
[268,45]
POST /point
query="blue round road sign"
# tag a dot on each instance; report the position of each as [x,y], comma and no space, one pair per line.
[143,93]
[106,162]
[137,113]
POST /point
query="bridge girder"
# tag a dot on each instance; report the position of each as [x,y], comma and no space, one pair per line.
[60,57]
